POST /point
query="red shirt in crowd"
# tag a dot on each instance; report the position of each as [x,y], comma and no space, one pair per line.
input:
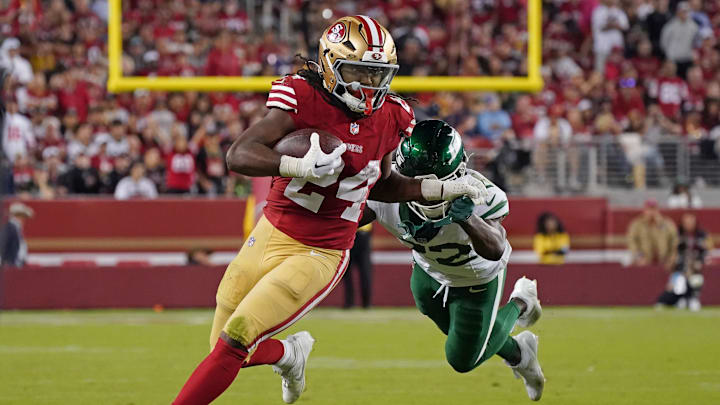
[670,92]
[180,170]
[646,67]
[223,63]
[75,97]
[627,100]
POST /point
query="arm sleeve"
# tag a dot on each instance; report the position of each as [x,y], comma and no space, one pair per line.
[282,95]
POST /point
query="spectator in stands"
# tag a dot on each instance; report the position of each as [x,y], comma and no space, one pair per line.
[211,164]
[550,133]
[361,264]
[116,142]
[645,62]
[493,122]
[81,142]
[678,38]
[180,168]
[136,185]
[13,249]
[551,243]
[18,138]
[608,24]
[682,197]
[11,60]
[120,169]
[655,22]
[686,279]
[82,178]
[199,257]
[669,91]
[154,168]
[652,238]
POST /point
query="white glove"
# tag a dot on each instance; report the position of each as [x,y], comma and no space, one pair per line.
[315,164]
[448,190]
[485,182]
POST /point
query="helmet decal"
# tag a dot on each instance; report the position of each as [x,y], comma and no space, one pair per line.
[336,33]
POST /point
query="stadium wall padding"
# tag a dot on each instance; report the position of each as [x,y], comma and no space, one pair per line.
[101,225]
[182,287]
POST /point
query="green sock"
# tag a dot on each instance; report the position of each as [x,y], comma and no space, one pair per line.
[504,322]
[510,351]
[507,316]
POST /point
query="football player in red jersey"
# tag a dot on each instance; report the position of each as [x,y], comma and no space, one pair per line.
[298,251]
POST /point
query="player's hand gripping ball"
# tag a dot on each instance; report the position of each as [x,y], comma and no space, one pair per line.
[310,154]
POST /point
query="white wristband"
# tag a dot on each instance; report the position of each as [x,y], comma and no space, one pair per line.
[290,166]
[431,190]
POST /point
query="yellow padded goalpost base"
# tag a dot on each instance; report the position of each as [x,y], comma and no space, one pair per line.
[530,83]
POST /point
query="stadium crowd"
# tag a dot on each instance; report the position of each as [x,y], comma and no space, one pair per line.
[611,67]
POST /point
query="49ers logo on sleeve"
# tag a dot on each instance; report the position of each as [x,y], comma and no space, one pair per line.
[336,33]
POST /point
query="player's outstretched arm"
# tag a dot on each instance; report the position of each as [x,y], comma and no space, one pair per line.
[394,187]
[251,154]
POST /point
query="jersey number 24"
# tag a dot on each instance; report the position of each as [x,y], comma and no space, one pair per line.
[347,190]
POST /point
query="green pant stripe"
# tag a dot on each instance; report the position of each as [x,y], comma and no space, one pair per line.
[498,296]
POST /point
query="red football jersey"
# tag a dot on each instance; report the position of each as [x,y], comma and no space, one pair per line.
[325,213]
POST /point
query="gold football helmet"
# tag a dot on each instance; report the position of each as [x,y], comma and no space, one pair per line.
[358,60]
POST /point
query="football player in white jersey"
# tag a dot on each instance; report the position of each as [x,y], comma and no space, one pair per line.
[460,255]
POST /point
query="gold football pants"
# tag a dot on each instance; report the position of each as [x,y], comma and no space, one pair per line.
[272,282]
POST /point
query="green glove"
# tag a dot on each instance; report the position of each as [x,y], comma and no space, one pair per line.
[421,231]
[461,209]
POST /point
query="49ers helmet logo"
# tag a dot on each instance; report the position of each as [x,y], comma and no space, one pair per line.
[336,33]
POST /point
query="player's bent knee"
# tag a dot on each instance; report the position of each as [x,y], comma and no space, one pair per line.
[239,330]
[233,341]
[462,363]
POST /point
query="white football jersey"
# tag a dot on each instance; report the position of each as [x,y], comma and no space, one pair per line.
[449,257]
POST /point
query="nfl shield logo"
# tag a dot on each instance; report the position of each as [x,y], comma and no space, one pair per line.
[251,241]
[354,128]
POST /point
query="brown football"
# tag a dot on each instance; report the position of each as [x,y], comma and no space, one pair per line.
[297,143]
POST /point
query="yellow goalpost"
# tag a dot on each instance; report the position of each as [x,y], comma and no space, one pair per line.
[530,83]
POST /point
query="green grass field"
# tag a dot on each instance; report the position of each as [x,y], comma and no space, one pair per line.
[383,356]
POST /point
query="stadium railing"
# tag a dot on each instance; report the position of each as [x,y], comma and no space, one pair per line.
[602,163]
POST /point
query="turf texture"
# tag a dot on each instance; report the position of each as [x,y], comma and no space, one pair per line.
[382,356]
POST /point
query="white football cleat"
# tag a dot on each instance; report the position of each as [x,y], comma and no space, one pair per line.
[526,291]
[293,373]
[529,368]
